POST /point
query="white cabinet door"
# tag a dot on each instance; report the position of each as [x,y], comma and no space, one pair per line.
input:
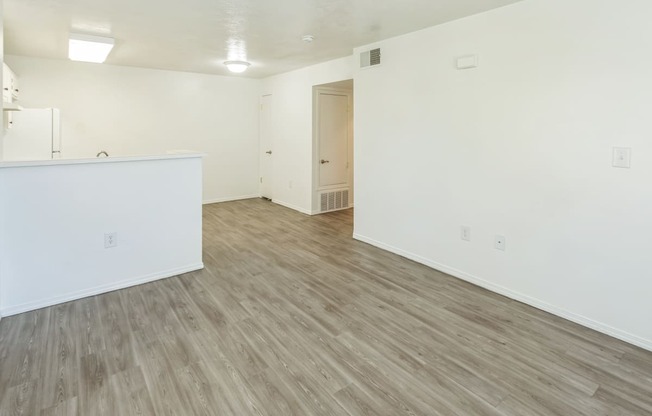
[14,86]
[6,84]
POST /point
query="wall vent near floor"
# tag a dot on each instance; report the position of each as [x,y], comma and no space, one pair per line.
[370,58]
[334,200]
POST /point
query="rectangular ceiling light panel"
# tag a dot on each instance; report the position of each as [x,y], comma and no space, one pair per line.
[87,48]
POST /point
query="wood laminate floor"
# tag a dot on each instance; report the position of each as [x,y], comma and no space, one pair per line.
[292,317]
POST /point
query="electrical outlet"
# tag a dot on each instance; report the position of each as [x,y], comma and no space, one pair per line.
[465,233]
[622,157]
[499,242]
[110,240]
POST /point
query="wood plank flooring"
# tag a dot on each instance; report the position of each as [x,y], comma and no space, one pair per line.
[292,317]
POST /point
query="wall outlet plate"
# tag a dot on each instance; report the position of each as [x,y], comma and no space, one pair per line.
[499,242]
[622,157]
[110,240]
[465,233]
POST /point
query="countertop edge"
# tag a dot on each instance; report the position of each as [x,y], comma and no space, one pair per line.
[112,159]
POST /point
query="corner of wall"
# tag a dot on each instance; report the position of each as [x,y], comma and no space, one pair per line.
[293,128]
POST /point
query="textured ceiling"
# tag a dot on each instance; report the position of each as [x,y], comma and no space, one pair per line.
[199,35]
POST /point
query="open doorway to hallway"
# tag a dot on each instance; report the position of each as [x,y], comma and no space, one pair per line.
[332,146]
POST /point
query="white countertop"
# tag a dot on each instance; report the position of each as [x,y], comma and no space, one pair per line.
[111,159]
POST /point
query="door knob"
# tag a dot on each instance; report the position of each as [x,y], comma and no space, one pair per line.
[269,152]
[324,161]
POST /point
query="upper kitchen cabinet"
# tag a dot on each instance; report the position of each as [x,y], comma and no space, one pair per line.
[7,75]
[9,94]
[10,85]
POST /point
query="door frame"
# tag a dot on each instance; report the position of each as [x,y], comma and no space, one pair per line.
[316,189]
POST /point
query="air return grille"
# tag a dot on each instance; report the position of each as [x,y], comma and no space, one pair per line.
[331,201]
[370,58]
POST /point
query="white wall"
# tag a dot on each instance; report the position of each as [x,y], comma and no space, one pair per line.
[520,146]
[2,133]
[126,110]
[292,129]
[55,218]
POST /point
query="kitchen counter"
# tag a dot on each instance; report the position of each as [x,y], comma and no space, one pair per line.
[71,228]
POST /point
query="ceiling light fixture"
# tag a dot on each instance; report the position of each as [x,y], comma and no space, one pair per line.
[237,66]
[87,48]
[308,38]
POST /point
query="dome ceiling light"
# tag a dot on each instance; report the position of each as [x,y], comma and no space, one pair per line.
[237,66]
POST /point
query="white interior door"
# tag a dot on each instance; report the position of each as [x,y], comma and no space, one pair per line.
[266,146]
[333,133]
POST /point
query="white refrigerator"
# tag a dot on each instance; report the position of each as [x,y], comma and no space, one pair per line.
[35,134]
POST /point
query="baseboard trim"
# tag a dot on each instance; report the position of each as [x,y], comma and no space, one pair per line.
[228,199]
[332,210]
[534,302]
[294,207]
[30,306]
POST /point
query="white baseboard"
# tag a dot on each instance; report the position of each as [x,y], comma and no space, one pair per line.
[539,304]
[316,212]
[294,207]
[43,303]
[228,199]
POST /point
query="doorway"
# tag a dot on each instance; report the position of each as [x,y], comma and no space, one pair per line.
[332,146]
[266,145]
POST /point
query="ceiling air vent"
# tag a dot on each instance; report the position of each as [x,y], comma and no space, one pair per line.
[370,58]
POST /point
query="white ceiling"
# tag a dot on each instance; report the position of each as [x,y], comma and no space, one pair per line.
[199,35]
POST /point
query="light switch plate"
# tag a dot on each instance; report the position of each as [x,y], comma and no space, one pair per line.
[622,157]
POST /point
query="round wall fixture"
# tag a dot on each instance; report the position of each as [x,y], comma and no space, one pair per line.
[237,66]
